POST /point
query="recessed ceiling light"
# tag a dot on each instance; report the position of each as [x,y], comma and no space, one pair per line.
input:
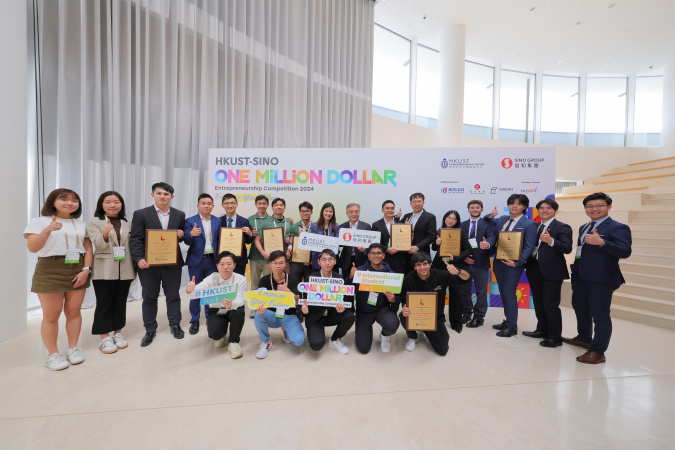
[517,54]
[560,62]
[574,95]
[622,95]
[578,23]
[406,64]
[612,6]
[489,86]
[533,8]
[607,65]
[627,30]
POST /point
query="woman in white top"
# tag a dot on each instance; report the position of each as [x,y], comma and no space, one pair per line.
[62,272]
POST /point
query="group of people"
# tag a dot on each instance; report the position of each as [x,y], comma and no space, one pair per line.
[68,261]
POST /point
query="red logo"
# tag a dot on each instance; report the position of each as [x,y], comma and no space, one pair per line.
[161,238]
[507,163]
[477,186]
[347,237]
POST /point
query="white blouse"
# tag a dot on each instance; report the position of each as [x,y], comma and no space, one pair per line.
[56,242]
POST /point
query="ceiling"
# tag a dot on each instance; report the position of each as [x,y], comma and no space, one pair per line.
[557,36]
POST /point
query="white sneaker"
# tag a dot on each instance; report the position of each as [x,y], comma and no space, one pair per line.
[74,355]
[57,361]
[235,350]
[119,340]
[107,345]
[286,340]
[220,343]
[339,346]
[263,350]
[410,345]
[385,345]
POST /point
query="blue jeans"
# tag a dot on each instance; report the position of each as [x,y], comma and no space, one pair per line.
[290,323]
[205,268]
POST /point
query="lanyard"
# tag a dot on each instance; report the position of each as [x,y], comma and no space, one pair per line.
[255,220]
[77,236]
[272,279]
[274,222]
[114,236]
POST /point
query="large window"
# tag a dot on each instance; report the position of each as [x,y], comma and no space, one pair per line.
[516,107]
[391,75]
[478,100]
[648,110]
[428,87]
[559,110]
[606,112]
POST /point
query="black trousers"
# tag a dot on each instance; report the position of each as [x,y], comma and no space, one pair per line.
[111,305]
[301,271]
[216,325]
[167,277]
[364,326]
[439,339]
[316,334]
[546,299]
[455,306]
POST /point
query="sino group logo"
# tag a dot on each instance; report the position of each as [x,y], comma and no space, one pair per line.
[507,163]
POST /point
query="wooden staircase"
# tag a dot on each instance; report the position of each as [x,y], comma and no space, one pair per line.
[643,197]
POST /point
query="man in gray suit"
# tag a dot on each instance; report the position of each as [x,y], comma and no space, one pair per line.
[353,255]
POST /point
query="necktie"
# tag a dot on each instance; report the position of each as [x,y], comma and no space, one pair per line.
[472,232]
[509,225]
[590,230]
[540,230]
[229,222]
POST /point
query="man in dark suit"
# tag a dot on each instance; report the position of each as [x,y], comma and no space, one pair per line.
[232,220]
[546,270]
[424,228]
[596,275]
[394,258]
[201,234]
[482,238]
[158,216]
[508,272]
[353,255]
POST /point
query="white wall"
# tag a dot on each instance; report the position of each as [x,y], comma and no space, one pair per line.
[13,130]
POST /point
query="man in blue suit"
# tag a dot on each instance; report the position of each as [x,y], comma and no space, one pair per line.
[482,238]
[201,234]
[232,220]
[596,275]
[508,272]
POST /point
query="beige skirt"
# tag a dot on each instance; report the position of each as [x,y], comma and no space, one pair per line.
[52,275]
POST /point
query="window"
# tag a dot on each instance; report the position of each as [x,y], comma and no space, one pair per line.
[648,109]
[606,112]
[391,74]
[428,87]
[560,110]
[478,101]
[516,107]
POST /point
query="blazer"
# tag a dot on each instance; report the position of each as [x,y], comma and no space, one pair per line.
[315,230]
[198,243]
[240,222]
[529,239]
[551,260]
[457,260]
[360,258]
[146,219]
[601,264]
[424,231]
[105,267]
[481,258]
[396,261]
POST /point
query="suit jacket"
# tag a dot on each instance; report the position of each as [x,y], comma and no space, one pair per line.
[147,219]
[397,260]
[529,239]
[601,264]
[424,231]
[485,230]
[240,222]
[360,258]
[198,243]
[105,267]
[551,260]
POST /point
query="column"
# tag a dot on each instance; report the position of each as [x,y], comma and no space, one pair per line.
[668,127]
[451,102]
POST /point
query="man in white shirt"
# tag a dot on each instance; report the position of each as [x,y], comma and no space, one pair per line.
[353,255]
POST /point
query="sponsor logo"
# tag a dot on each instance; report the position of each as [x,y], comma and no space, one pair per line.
[447,190]
[529,190]
[495,189]
[507,163]
[347,237]
[528,163]
[476,186]
[304,240]
[444,163]
[460,163]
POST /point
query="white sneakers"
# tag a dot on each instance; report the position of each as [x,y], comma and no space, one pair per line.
[119,341]
[57,361]
[220,343]
[235,350]
[107,345]
[263,350]
[74,355]
[339,346]
[410,345]
[385,345]
[286,340]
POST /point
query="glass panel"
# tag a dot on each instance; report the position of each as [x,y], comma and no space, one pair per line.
[478,94]
[516,107]
[648,111]
[605,112]
[428,86]
[560,109]
[391,74]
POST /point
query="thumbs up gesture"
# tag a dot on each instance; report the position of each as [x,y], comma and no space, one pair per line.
[107,228]
[594,238]
[191,286]
[353,271]
[438,239]
[195,231]
[545,237]
[494,213]
[484,245]
[398,214]
[53,226]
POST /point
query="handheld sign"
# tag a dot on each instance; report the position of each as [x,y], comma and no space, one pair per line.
[270,299]
[326,292]
[317,242]
[358,238]
[378,281]
[215,294]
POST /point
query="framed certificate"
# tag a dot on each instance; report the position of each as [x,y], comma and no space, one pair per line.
[451,242]
[298,255]
[422,311]
[401,236]
[232,240]
[510,245]
[273,239]
[161,247]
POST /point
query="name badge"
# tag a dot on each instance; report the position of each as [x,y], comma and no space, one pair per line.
[279,314]
[222,312]
[119,253]
[473,242]
[325,313]
[578,255]
[372,298]
[72,257]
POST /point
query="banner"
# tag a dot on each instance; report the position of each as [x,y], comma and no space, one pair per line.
[215,294]
[328,292]
[270,299]
[358,238]
[378,281]
[317,242]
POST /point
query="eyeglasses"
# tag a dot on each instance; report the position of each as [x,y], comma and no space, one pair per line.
[229,203]
[376,253]
[305,211]
[278,263]
[422,264]
[327,260]
[225,264]
[595,206]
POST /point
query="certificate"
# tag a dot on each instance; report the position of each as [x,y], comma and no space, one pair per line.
[401,236]
[273,239]
[451,242]
[299,255]
[232,240]
[161,247]
[422,311]
[510,245]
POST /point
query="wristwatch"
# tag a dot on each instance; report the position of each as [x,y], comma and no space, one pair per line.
[459,272]
[87,268]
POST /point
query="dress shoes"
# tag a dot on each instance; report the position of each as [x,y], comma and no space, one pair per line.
[177,332]
[507,332]
[499,326]
[576,342]
[194,327]
[591,358]
[456,327]
[535,334]
[551,342]
[147,339]
[465,319]
[475,323]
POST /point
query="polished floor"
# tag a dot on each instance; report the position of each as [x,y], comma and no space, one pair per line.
[488,392]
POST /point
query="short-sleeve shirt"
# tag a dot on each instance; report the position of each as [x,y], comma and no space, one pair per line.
[56,242]
[260,222]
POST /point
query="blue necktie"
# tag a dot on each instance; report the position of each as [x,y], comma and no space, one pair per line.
[229,222]
[472,232]
[590,230]
[509,225]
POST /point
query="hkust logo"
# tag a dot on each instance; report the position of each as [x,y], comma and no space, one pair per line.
[460,163]
[304,240]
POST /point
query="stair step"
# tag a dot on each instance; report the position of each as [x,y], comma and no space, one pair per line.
[642,172]
[645,268]
[661,260]
[649,279]
[665,202]
[646,164]
[649,291]
[659,227]
[670,235]
[657,250]
[653,241]
[654,319]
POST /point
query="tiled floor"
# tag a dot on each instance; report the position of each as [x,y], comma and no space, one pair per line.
[488,392]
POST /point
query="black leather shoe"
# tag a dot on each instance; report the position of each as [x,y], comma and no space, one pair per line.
[507,332]
[551,342]
[465,319]
[475,323]
[177,332]
[194,327]
[535,334]
[457,328]
[147,339]
[499,326]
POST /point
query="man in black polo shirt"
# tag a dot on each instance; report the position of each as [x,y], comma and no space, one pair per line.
[427,279]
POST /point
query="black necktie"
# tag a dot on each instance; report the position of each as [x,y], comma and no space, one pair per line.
[509,225]
[590,230]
